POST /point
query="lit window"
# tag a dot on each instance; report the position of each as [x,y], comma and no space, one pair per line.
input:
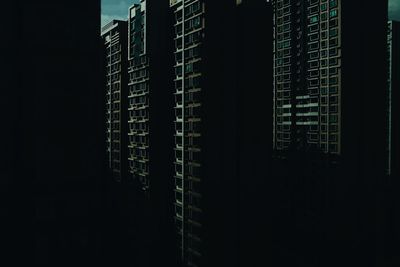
[332,3]
[314,19]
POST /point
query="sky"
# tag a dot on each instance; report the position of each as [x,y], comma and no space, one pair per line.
[394,9]
[115,9]
[118,9]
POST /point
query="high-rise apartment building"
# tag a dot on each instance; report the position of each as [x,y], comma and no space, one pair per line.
[150,96]
[330,122]
[314,97]
[114,37]
[189,30]
[138,96]
[201,70]
[307,75]
[150,132]
[211,104]
[393,99]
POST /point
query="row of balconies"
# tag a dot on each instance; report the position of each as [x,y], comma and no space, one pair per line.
[139,62]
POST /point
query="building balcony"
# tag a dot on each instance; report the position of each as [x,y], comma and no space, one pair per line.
[143,173]
[179,91]
[178,161]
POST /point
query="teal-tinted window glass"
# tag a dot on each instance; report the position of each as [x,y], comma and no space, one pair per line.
[333,32]
[286,44]
[314,19]
[332,3]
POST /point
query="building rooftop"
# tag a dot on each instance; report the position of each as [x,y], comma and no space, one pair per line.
[110,25]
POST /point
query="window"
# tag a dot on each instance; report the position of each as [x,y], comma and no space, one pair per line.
[314,19]
[333,61]
[313,37]
[178,29]
[189,68]
[333,109]
[313,10]
[196,7]
[333,13]
[333,89]
[333,71]
[178,71]
[333,80]
[178,15]
[313,28]
[324,44]
[333,118]
[314,82]
[314,73]
[333,42]
[196,81]
[333,32]
[333,52]
[333,128]
[333,99]
[196,22]
[313,46]
[178,43]
[286,44]
[178,56]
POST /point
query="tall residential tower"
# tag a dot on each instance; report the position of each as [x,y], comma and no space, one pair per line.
[393,100]
[325,72]
[217,92]
[330,122]
[114,37]
[150,92]
[203,62]
[307,70]
[150,131]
